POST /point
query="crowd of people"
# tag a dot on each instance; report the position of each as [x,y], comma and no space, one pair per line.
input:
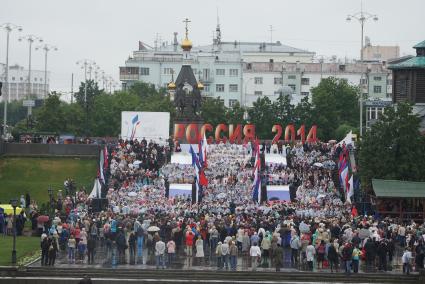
[227,229]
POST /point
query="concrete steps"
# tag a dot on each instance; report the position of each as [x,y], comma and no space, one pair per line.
[207,276]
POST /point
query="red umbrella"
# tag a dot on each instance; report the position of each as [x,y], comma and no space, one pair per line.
[43,219]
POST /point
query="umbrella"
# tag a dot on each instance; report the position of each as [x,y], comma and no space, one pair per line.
[332,141]
[132,194]
[137,162]
[319,165]
[8,209]
[153,229]
[42,219]
[221,195]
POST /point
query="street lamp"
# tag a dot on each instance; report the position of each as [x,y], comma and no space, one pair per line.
[14,203]
[30,39]
[46,47]
[86,63]
[362,17]
[50,191]
[8,27]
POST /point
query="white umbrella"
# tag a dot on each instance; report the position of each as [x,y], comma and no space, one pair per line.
[221,195]
[136,163]
[153,229]
[319,165]
[132,194]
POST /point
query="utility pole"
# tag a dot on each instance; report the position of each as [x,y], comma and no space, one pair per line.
[8,27]
[362,17]
[30,39]
[72,88]
[46,48]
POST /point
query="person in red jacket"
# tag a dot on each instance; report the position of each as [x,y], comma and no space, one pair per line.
[189,242]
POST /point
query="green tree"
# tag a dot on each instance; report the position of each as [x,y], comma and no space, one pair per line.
[92,92]
[235,114]
[334,102]
[263,117]
[213,111]
[284,111]
[394,147]
[51,117]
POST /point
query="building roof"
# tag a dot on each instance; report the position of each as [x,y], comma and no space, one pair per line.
[254,47]
[414,62]
[420,45]
[398,188]
[235,46]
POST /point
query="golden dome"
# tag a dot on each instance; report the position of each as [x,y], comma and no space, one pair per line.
[200,86]
[171,86]
[186,44]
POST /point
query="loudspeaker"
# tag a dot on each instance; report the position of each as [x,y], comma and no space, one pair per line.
[99,204]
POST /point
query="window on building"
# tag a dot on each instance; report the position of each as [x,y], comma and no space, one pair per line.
[278,81]
[363,81]
[389,81]
[305,81]
[232,103]
[220,72]
[233,87]
[206,74]
[234,72]
[258,80]
[35,79]
[377,78]
[168,71]
[41,79]
[258,93]
[377,89]
[144,71]
[305,94]
[13,78]
[373,113]
[207,87]
[219,88]
[21,79]
[292,86]
[292,77]
[388,95]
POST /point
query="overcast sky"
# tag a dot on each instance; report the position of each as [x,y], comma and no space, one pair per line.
[108,31]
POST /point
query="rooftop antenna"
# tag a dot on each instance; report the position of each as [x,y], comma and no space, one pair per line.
[271,30]
[156,41]
[218,29]
[175,42]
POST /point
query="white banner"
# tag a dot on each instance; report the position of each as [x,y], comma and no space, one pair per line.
[149,125]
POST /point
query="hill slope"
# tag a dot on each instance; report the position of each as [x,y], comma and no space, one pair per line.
[35,175]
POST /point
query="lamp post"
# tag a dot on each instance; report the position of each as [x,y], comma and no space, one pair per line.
[50,191]
[86,64]
[362,17]
[8,27]
[14,203]
[31,39]
[46,48]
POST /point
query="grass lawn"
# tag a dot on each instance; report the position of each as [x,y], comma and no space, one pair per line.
[24,247]
[35,175]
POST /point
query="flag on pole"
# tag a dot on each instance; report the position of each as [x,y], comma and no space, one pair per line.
[256,186]
[201,179]
[350,192]
[202,151]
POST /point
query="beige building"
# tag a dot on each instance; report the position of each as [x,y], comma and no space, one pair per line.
[379,53]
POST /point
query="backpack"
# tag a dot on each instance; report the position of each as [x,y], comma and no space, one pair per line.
[346,253]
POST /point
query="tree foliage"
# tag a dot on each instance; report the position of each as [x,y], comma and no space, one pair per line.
[334,103]
[394,147]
